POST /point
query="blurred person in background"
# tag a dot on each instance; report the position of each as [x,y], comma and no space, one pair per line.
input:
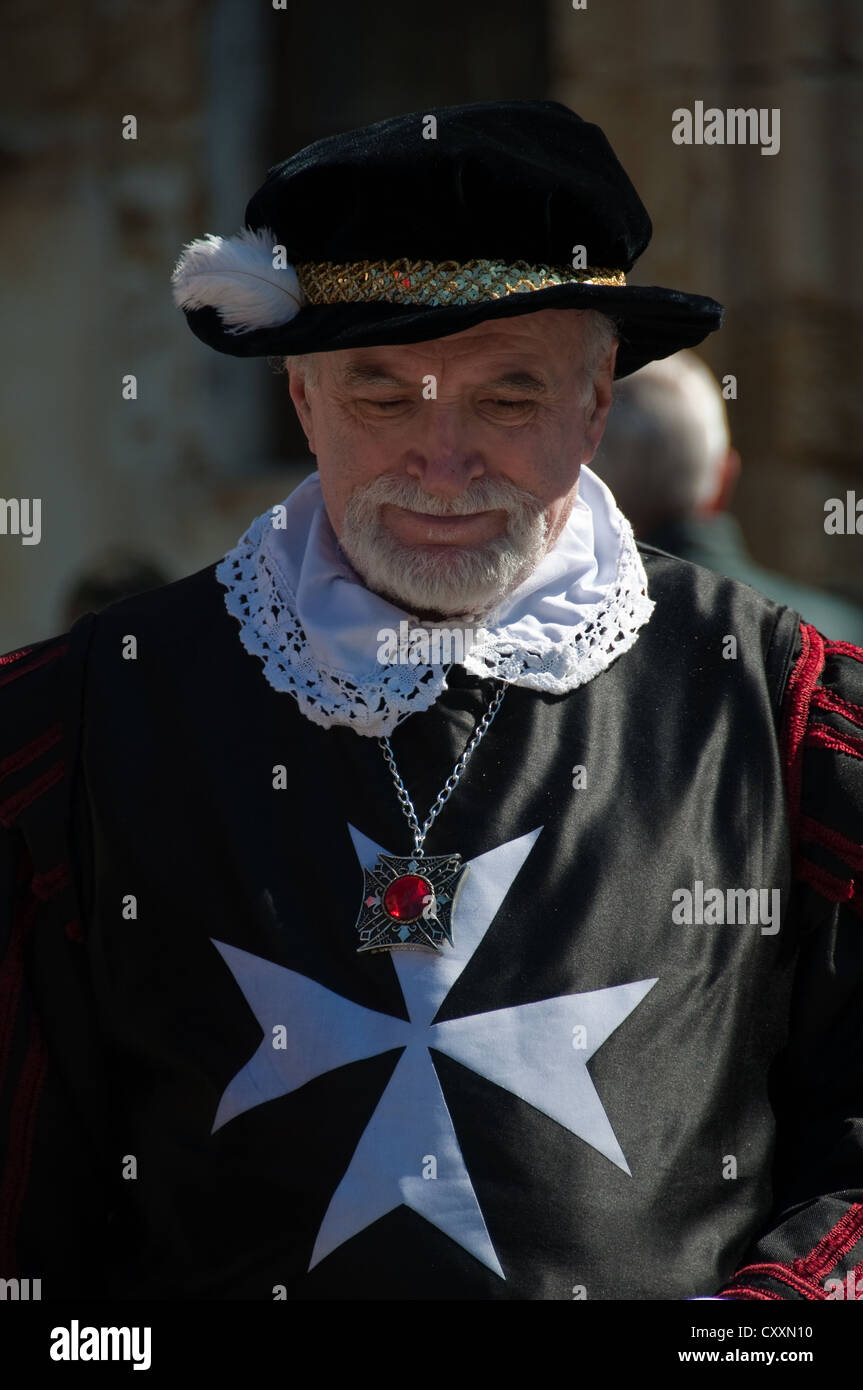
[668,458]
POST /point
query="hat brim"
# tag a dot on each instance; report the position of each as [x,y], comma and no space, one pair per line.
[653,322]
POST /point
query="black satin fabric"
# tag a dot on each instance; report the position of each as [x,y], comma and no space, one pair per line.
[175,804]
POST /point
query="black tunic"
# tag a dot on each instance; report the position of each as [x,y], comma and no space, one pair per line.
[208,1093]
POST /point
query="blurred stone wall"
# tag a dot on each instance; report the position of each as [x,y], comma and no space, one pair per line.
[773,237]
[92,225]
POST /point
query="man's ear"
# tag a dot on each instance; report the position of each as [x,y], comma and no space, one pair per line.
[726,481]
[297,385]
[599,403]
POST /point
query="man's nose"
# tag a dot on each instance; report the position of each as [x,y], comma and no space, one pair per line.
[444,458]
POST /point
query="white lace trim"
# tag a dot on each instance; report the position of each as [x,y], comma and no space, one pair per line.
[590,646]
[374,701]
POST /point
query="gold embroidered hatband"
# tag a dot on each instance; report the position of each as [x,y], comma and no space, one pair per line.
[436,283]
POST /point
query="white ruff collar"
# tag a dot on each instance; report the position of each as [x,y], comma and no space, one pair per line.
[318,630]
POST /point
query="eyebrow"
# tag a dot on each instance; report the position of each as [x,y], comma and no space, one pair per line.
[367,374]
[521,381]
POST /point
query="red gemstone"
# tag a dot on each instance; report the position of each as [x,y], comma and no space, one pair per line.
[406,897]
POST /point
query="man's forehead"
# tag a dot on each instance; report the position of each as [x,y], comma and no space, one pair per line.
[402,373]
[511,348]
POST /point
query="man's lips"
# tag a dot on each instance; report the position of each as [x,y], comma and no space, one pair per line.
[426,528]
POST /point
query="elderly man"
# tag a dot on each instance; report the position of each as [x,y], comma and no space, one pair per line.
[533,974]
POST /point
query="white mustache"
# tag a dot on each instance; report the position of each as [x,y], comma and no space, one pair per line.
[485,496]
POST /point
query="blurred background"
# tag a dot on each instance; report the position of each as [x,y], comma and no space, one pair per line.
[136,492]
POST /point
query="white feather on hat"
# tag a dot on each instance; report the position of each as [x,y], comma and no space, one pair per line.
[236,276]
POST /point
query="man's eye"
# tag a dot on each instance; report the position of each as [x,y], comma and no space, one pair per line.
[510,405]
[385,405]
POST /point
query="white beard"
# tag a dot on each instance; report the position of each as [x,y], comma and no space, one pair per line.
[463,581]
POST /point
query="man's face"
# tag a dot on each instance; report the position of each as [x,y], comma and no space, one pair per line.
[449,468]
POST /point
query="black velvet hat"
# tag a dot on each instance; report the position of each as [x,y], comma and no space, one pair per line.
[419,226]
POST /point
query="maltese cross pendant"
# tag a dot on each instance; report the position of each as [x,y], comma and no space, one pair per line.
[408,901]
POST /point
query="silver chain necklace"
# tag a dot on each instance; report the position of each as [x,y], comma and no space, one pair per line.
[408,899]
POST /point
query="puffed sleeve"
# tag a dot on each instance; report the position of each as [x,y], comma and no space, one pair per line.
[812,1247]
[54,1203]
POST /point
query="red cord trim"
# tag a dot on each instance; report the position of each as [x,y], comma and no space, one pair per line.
[13,675]
[826,699]
[841,1238]
[805,673]
[841,846]
[746,1292]
[8,659]
[806,1275]
[821,736]
[844,649]
[46,884]
[12,807]
[22,756]
[784,1274]
[838,890]
[854,1276]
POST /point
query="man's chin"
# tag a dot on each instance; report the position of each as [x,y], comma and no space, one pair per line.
[456,607]
[451,583]
[457,617]
[424,610]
